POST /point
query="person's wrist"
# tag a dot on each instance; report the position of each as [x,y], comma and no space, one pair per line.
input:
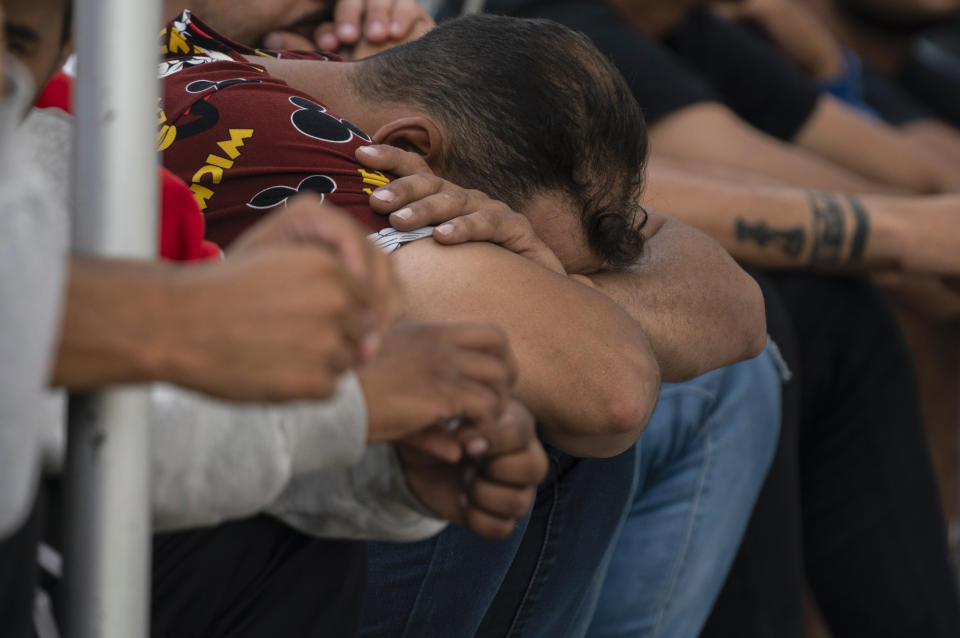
[167,355]
[888,244]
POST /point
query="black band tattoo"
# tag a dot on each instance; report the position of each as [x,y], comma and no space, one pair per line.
[828,229]
[862,229]
[791,240]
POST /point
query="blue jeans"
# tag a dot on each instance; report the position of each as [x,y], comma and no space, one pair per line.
[689,482]
[456,584]
[703,460]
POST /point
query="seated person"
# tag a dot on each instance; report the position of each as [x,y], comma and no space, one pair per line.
[306,140]
[730,208]
[463,371]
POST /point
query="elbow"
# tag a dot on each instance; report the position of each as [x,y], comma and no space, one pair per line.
[628,412]
[754,323]
[613,402]
[745,318]
[625,408]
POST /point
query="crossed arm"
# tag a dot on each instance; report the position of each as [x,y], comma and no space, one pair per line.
[698,309]
[772,226]
[586,369]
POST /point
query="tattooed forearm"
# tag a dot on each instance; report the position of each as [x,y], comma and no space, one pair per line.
[790,240]
[829,244]
[861,232]
[828,229]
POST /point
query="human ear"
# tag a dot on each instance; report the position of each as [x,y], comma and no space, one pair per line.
[414,133]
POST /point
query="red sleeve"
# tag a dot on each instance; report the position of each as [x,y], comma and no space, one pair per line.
[57,93]
[246,142]
[181,223]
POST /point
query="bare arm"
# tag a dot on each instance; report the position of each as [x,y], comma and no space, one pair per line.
[796,30]
[586,370]
[238,329]
[700,310]
[836,131]
[783,227]
[710,132]
[875,150]
[203,326]
[937,136]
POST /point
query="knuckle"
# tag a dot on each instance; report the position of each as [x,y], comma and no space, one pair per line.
[519,504]
[490,216]
[539,465]
[427,179]
[459,196]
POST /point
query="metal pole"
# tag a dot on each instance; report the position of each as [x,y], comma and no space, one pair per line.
[107,533]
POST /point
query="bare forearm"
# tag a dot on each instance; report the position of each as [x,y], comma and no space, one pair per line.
[783,227]
[700,310]
[586,370]
[937,136]
[711,133]
[875,150]
[110,331]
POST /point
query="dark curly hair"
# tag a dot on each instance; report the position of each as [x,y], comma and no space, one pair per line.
[529,106]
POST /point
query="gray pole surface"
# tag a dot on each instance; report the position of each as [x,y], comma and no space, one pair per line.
[107,483]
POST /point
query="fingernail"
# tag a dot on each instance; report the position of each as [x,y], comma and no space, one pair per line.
[477,447]
[376,29]
[328,42]
[385,195]
[469,475]
[404,213]
[273,41]
[347,31]
[372,151]
[445,229]
[396,29]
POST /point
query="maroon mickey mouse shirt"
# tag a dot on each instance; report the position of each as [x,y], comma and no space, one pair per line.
[245,142]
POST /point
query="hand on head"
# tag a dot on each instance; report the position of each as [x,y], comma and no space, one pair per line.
[420,198]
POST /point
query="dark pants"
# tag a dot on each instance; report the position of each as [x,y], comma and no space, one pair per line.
[255,578]
[851,501]
[18,578]
[537,582]
[251,578]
